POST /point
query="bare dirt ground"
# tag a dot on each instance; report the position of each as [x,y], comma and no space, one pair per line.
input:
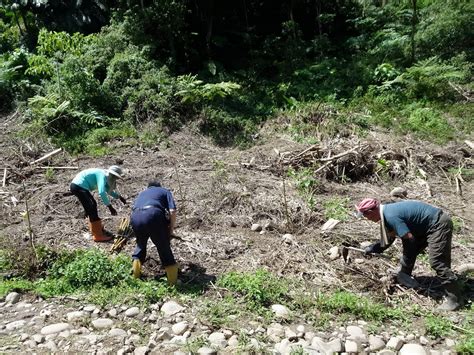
[221,192]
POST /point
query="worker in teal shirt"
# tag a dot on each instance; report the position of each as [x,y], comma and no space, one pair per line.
[104,182]
[420,226]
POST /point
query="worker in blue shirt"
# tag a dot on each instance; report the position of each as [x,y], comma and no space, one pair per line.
[420,226]
[154,216]
[104,182]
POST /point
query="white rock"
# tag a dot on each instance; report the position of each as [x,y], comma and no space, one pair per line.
[290,334]
[386,352]
[51,345]
[102,323]
[356,333]
[112,313]
[179,328]
[206,351]
[30,343]
[65,334]
[54,328]
[141,350]
[117,333]
[334,253]
[171,308]
[178,340]
[450,343]
[300,328]
[309,336]
[424,340]
[376,343]
[132,311]
[163,334]
[412,349]
[23,337]
[395,343]
[217,339]
[89,309]
[38,338]
[233,341]
[276,329]
[353,346]
[288,238]
[256,227]
[410,337]
[76,316]
[280,311]
[331,347]
[12,298]
[15,324]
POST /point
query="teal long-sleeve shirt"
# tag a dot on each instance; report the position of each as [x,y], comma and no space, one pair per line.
[95,179]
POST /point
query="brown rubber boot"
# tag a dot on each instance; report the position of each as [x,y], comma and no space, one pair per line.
[98,233]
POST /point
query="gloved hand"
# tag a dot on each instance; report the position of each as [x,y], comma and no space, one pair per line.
[124,201]
[374,248]
[112,210]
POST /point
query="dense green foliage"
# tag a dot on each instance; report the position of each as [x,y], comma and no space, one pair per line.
[82,67]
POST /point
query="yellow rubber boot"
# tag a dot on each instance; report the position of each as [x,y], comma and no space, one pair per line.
[136,268]
[172,274]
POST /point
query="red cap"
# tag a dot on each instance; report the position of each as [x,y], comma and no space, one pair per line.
[366,204]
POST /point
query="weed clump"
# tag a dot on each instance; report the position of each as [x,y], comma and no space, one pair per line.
[259,289]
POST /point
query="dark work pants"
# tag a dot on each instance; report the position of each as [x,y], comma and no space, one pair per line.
[151,223]
[438,241]
[87,201]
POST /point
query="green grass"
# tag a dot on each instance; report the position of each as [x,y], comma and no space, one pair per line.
[7,286]
[336,208]
[437,326]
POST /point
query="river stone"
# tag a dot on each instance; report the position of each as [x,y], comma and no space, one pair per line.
[179,328]
[356,333]
[218,339]
[76,316]
[132,311]
[450,343]
[276,329]
[280,311]
[353,346]
[333,346]
[424,340]
[412,349]
[386,352]
[399,192]
[39,338]
[112,313]
[395,343]
[54,328]
[233,341]
[15,324]
[12,297]
[141,350]
[334,253]
[256,227]
[171,308]
[102,323]
[30,343]
[206,351]
[117,333]
[376,343]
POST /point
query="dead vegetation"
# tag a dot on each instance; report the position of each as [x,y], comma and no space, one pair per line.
[222,192]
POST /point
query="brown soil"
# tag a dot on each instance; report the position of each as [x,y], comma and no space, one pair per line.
[221,192]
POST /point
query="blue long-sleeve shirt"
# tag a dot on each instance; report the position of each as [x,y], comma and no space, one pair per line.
[95,179]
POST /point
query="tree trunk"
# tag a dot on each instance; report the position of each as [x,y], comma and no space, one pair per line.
[414,21]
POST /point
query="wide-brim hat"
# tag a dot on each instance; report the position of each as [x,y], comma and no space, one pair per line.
[116,171]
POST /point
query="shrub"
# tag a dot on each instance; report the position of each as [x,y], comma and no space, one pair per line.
[259,289]
[92,268]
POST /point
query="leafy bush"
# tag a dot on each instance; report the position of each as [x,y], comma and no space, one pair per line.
[92,268]
[259,289]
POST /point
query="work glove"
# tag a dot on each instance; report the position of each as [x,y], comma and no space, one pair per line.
[112,210]
[124,201]
[374,248]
